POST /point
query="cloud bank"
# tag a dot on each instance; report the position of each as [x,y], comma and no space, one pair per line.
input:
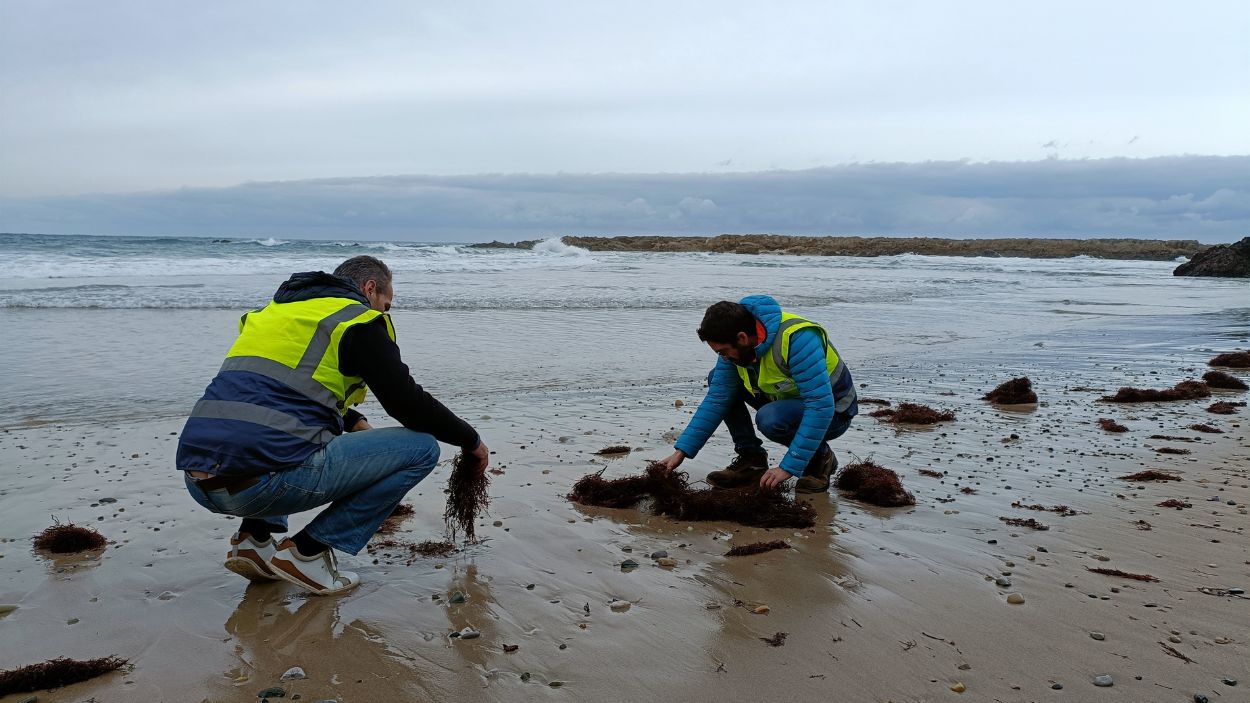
[1185,197]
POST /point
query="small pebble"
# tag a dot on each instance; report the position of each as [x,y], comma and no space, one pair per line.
[469,633]
[1098,636]
[1201,698]
[1003,581]
[659,555]
[1104,680]
[1174,639]
[1057,686]
[959,688]
[992,541]
[1015,599]
[619,606]
[273,692]
[458,597]
[294,673]
[666,562]
[761,610]
[1237,591]
[629,565]
[1230,681]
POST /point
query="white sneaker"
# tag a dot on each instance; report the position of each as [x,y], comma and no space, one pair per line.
[318,574]
[249,558]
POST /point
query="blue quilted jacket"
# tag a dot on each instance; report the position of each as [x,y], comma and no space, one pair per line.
[807,367]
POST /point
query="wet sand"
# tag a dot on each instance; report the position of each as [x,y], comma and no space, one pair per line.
[878,604]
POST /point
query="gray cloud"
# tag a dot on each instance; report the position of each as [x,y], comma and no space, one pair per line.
[1190,197]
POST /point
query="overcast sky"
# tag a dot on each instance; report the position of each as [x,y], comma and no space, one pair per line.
[119,97]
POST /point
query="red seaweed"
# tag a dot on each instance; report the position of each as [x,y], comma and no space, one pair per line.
[1224,407]
[69,538]
[1060,509]
[1123,574]
[1151,475]
[776,640]
[1174,503]
[1024,522]
[1225,381]
[871,483]
[671,495]
[756,548]
[56,673]
[1235,360]
[1111,425]
[466,496]
[1017,391]
[1185,390]
[1203,427]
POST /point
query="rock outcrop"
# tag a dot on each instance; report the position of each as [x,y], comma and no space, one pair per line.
[1139,249]
[1225,261]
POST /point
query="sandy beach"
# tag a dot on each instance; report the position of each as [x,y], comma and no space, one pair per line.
[877,604]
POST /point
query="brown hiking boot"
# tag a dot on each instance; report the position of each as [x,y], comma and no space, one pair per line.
[815,478]
[742,471]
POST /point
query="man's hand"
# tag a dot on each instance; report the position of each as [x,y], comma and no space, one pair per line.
[672,461]
[773,478]
[481,454]
[361,426]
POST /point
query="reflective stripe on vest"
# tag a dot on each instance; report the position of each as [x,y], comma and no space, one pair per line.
[273,419]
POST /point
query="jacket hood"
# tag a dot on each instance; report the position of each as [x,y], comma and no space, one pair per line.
[317,284]
[768,311]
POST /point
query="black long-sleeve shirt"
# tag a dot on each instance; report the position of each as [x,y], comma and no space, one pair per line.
[366,350]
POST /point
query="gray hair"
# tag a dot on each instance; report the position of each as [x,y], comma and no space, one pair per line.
[362,269]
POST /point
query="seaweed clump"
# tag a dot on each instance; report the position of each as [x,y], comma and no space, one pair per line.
[1203,427]
[466,496]
[1111,425]
[913,414]
[1226,381]
[1017,391]
[671,495]
[776,640]
[871,483]
[1234,360]
[55,673]
[756,548]
[1171,450]
[1025,522]
[391,524]
[615,449]
[1185,390]
[1224,407]
[1174,503]
[1123,574]
[1060,509]
[69,539]
[1151,475]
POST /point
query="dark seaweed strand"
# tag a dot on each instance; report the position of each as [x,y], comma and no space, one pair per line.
[55,673]
[466,497]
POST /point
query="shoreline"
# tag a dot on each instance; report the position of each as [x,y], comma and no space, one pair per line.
[878,603]
[1030,248]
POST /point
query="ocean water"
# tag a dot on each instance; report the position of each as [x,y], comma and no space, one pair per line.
[99,328]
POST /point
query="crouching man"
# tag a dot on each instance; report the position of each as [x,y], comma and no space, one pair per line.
[784,367]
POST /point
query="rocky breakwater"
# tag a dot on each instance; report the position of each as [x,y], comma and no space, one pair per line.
[1225,260]
[1139,249]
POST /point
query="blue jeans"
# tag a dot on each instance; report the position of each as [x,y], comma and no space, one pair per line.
[778,419]
[362,475]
